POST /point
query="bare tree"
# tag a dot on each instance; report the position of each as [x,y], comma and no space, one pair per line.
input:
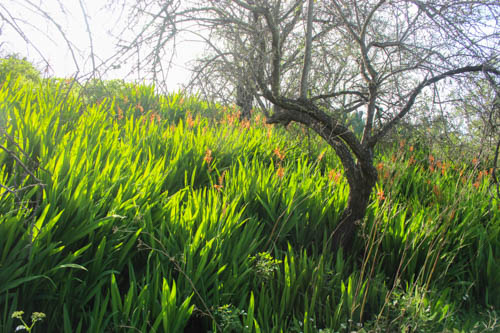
[318,61]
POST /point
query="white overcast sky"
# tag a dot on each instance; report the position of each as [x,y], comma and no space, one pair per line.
[46,37]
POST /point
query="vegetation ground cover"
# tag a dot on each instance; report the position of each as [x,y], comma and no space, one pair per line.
[130,211]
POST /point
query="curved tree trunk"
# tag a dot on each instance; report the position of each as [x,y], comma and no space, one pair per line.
[360,190]
[356,159]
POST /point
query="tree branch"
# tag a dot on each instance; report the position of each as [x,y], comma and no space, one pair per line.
[427,82]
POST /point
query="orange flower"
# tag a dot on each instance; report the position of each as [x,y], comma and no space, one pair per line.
[431,167]
[380,166]
[402,143]
[334,175]
[154,116]
[380,194]
[431,159]
[411,148]
[189,120]
[280,172]
[476,185]
[139,106]
[279,154]
[320,157]
[120,113]
[412,160]
[475,161]
[245,124]
[208,156]
[220,184]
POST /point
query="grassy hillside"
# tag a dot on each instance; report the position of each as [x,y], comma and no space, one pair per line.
[124,211]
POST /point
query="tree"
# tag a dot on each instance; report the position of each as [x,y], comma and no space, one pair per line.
[316,61]
[16,67]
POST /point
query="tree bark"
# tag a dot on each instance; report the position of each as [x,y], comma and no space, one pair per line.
[360,190]
[357,162]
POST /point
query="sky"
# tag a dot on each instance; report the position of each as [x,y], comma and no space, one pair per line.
[45,37]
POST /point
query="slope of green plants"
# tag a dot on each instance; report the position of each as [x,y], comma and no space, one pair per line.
[145,213]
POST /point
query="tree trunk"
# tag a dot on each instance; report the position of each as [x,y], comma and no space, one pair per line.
[244,99]
[360,189]
[356,159]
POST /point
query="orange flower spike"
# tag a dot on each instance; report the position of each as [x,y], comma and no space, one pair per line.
[380,194]
[139,106]
[475,161]
[189,121]
[279,154]
[280,172]
[380,166]
[208,156]
[411,148]
[476,185]
[431,159]
[334,175]
[337,177]
[120,113]
[220,184]
[245,124]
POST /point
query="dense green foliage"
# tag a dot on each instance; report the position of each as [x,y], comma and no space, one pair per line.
[164,213]
[15,68]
